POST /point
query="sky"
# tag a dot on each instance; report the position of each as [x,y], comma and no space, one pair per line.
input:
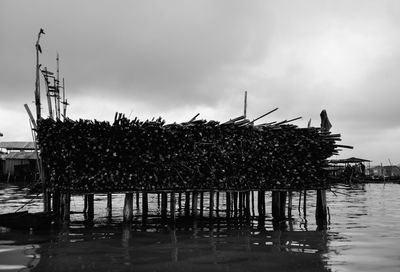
[175,59]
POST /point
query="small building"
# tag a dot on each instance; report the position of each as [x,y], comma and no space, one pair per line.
[17,161]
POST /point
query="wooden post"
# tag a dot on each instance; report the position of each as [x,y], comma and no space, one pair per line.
[172,208]
[305,205]
[56,202]
[240,204]
[217,204]
[164,203]
[235,203]
[211,204]
[201,203]
[194,203]
[145,206]
[276,202]
[261,209]
[187,204]
[321,210]
[109,206]
[228,204]
[128,207]
[179,203]
[247,204]
[290,199]
[137,200]
[282,206]
[252,203]
[66,198]
[90,207]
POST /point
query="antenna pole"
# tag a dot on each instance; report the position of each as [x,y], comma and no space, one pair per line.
[37,83]
[58,88]
[245,104]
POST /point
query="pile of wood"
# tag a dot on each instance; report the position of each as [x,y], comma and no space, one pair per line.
[93,156]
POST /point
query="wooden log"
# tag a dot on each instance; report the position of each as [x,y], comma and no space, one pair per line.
[90,212]
[128,207]
[228,204]
[109,206]
[321,209]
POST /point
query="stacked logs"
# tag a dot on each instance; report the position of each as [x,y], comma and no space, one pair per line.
[128,155]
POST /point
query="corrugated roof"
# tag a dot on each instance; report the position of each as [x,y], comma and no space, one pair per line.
[20,156]
[18,145]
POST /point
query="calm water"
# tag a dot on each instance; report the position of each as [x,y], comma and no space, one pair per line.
[363,235]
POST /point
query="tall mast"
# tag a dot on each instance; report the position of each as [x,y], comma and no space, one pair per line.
[57,94]
[37,84]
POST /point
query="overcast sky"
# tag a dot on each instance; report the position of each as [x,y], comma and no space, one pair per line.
[175,59]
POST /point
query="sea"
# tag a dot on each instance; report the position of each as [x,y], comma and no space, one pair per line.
[363,234]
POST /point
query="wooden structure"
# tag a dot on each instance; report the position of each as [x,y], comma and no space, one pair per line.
[17,161]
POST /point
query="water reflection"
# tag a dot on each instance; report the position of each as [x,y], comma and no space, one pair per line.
[362,236]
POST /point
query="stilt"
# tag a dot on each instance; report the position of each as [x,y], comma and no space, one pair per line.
[128,207]
[290,199]
[228,204]
[137,200]
[164,203]
[235,203]
[56,202]
[252,204]
[90,212]
[187,204]
[194,203]
[240,204]
[211,204]
[261,209]
[180,203]
[217,204]
[109,206]
[145,206]
[201,203]
[305,205]
[282,206]
[276,202]
[172,208]
[247,204]
[321,210]
[66,198]
[85,204]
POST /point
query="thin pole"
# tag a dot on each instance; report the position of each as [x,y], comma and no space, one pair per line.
[245,104]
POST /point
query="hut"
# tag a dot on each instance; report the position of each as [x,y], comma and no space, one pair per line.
[18,161]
